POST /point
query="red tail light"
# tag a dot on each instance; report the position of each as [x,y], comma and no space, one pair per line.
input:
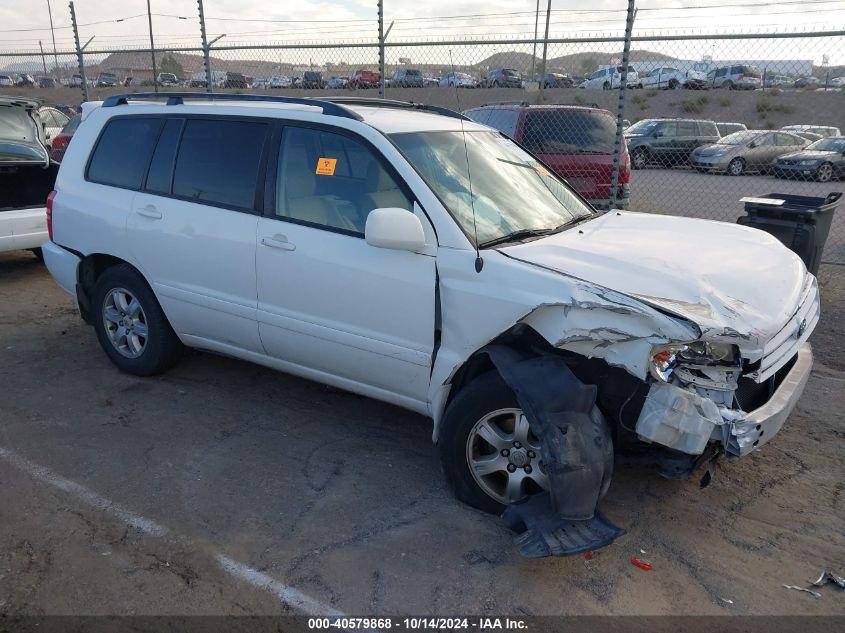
[50,214]
[741,76]
[61,142]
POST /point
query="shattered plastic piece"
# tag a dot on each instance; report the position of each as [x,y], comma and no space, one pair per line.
[547,534]
[815,594]
[828,576]
[644,565]
[726,601]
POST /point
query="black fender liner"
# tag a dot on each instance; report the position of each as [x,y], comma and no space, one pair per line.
[577,453]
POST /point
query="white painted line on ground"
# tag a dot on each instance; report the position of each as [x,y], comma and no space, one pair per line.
[85,495]
[286,595]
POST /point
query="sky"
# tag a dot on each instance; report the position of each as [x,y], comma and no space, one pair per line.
[123,23]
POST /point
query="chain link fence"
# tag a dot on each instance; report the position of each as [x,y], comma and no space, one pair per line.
[706,119]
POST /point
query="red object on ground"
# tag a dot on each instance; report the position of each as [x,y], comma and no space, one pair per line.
[588,555]
[636,562]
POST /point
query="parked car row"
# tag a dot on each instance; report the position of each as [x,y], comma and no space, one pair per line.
[732,149]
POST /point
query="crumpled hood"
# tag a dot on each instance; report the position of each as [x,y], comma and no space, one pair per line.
[734,282]
[20,132]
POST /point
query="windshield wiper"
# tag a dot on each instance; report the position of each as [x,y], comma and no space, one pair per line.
[515,236]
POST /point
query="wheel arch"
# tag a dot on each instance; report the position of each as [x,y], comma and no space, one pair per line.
[620,394]
[91,267]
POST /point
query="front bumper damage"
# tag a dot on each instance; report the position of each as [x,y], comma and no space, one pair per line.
[687,422]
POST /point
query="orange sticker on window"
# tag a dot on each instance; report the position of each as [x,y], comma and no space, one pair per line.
[325,166]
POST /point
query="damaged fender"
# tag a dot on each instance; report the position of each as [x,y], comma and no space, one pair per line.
[568,313]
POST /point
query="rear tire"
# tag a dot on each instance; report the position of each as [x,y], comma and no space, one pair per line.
[39,254]
[728,85]
[131,326]
[605,86]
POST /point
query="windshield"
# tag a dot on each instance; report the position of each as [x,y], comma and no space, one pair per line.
[511,191]
[643,127]
[829,145]
[737,138]
[569,132]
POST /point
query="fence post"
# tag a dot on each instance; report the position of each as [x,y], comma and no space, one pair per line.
[43,59]
[205,53]
[152,47]
[381,47]
[79,57]
[620,111]
[545,49]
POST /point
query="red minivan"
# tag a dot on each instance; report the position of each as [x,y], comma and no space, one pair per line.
[576,142]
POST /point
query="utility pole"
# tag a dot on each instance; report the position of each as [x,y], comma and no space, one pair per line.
[43,61]
[381,48]
[620,111]
[152,47]
[53,34]
[534,54]
[205,53]
[79,50]
[545,48]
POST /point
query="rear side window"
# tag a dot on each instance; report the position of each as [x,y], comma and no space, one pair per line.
[687,128]
[569,132]
[123,152]
[218,162]
[708,128]
[160,176]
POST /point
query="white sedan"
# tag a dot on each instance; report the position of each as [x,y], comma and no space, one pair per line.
[53,120]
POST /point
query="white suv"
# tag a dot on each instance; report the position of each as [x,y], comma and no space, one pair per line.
[408,254]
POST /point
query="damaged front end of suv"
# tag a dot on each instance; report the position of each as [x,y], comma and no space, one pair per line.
[687,362]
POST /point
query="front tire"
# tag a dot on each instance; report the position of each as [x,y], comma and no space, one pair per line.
[824,173]
[130,324]
[736,167]
[482,422]
[639,158]
[39,254]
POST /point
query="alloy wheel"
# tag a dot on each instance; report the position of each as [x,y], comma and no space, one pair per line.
[505,458]
[125,322]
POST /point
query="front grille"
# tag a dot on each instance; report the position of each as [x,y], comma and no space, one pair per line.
[751,395]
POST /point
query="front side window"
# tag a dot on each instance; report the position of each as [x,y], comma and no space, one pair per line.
[669,128]
[331,181]
[503,191]
[123,152]
[218,162]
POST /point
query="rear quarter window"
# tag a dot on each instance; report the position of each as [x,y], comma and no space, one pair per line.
[123,152]
[707,128]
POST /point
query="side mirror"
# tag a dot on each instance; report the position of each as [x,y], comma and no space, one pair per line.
[753,144]
[394,228]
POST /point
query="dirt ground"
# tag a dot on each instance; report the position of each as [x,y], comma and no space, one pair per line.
[226,488]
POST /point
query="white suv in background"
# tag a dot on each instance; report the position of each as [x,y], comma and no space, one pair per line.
[347,242]
[610,78]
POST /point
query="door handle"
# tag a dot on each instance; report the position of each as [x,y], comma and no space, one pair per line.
[278,241]
[149,211]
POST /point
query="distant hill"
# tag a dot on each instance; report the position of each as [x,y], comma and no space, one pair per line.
[574,63]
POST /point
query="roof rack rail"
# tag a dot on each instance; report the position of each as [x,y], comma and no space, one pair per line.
[178,98]
[394,103]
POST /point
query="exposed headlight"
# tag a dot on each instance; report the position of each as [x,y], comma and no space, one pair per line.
[666,357]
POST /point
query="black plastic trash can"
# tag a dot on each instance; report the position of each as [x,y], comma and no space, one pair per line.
[802,223]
